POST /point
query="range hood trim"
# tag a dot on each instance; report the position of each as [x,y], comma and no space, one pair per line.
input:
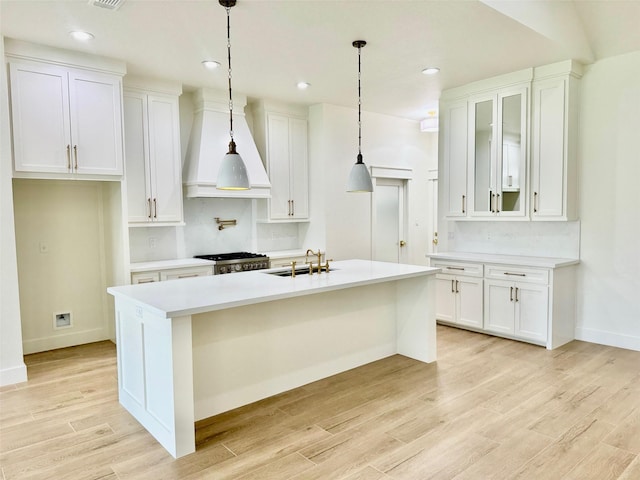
[209,141]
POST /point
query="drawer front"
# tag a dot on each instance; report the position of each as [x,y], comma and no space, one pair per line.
[516,273]
[176,273]
[459,268]
[145,277]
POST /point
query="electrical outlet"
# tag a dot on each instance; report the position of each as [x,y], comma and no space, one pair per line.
[153,241]
[62,320]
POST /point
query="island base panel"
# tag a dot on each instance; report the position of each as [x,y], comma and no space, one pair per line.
[155,375]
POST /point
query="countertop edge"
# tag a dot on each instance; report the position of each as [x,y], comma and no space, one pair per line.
[492,258]
[279,291]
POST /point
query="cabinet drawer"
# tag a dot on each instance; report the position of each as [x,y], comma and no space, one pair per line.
[145,277]
[516,273]
[176,273]
[458,268]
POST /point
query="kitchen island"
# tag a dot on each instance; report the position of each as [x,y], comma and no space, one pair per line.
[192,348]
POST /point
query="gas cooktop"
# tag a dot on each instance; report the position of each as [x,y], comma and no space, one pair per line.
[236,261]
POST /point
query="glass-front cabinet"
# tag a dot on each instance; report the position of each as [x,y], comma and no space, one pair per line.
[497,153]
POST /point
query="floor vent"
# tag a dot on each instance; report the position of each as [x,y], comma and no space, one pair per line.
[108,4]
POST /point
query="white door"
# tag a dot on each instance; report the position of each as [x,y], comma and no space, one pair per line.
[389,228]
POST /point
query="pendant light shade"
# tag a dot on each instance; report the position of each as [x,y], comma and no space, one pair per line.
[232,174]
[359,178]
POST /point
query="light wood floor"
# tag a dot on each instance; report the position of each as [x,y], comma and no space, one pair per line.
[489,408]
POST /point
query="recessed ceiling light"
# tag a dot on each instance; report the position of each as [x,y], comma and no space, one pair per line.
[303,85]
[81,36]
[210,64]
[430,70]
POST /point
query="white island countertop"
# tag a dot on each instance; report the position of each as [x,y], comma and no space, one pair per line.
[522,260]
[191,296]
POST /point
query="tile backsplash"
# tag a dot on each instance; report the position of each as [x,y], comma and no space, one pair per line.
[200,234]
[548,239]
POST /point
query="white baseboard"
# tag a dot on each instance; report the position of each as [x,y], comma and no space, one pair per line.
[612,339]
[9,376]
[61,341]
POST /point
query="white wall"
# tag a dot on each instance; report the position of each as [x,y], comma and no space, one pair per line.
[12,367]
[609,274]
[386,141]
[62,264]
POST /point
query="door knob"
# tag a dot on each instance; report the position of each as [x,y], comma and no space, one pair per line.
[402,243]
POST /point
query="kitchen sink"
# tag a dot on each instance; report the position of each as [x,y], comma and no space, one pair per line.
[299,271]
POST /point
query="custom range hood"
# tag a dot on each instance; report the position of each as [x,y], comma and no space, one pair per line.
[209,142]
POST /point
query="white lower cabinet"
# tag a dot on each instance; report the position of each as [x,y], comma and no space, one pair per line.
[516,309]
[459,300]
[535,304]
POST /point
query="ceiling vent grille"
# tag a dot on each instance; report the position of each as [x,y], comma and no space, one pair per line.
[108,4]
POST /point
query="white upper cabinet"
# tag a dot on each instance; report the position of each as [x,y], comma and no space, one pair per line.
[281,137]
[508,146]
[554,142]
[498,153]
[153,161]
[453,139]
[66,121]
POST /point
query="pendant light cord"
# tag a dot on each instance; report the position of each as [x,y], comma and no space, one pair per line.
[228,8]
[359,112]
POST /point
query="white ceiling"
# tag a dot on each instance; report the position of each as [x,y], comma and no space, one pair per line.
[276,43]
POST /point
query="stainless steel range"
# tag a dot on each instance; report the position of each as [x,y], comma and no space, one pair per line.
[236,262]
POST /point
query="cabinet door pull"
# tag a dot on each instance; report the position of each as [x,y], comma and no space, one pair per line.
[188,275]
[516,294]
[455,268]
[75,156]
[457,291]
[535,202]
[452,289]
[491,201]
[497,203]
[293,208]
[149,206]
[68,157]
[146,280]
[511,294]
[464,204]
[155,208]
[516,274]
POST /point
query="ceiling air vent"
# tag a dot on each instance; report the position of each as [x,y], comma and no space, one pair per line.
[108,4]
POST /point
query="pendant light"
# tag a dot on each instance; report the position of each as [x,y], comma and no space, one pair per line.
[359,178]
[232,174]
